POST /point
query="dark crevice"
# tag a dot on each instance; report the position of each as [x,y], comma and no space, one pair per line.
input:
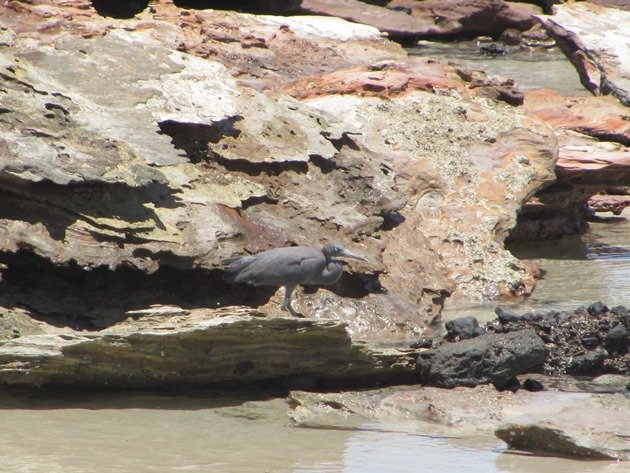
[252,168]
[325,165]
[243,6]
[57,206]
[391,219]
[353,285]
[193,138]
[345,140]
[122,9]
[256,200]
[73,296]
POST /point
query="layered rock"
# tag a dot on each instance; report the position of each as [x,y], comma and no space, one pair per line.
[593,134]
[129,176]
[260,51]
[595,43]
[170,347]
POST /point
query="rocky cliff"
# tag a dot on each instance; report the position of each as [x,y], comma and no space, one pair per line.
[137,153]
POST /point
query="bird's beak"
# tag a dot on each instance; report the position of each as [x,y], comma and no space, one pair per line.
[347,254]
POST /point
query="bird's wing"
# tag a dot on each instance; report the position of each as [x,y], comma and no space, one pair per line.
[279,267]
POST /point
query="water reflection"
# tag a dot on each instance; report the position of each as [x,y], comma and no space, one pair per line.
[531,69]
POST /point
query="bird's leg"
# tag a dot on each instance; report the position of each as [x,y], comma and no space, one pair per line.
[286,302]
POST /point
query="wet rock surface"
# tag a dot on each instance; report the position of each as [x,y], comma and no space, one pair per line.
[542,422]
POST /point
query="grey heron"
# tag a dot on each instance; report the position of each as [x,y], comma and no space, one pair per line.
[289,267]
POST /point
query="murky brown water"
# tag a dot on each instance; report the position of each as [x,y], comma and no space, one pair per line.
[135,432]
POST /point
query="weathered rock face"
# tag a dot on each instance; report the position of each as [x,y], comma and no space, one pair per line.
[397,23]
[133,160]
[449,154]
[185,155]
[403,19]
[593,134]
[260,51]
[470,17]
[489,358]
[167,347]
[597,45]
[516,418]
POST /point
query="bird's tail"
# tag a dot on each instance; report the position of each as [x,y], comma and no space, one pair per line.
[233,266]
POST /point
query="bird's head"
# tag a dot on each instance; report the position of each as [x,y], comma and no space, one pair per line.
[331,250]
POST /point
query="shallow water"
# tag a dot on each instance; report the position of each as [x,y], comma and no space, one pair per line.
[531,69]
[577,271]
[137,432]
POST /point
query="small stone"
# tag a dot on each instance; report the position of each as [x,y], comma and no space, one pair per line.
[511,36]
[617,339]
[588,363]
[506,316]
[562,317]
[512,385]
[532,316]
[582,310]
[533,386]
[545,327]
[494,49]
[589,341]
[622,314]
[422,343]
[463,327]
[597,309]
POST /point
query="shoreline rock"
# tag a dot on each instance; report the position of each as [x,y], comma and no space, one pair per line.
[489,358]
[588,341]
[593,41]
[228,348]
[516,418]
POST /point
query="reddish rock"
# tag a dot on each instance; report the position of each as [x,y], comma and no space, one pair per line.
[387,79]
[397,23]
[619,4]
[583,160]
[609,203]
[599,47]
[471,17]
[261,51]
[602,117]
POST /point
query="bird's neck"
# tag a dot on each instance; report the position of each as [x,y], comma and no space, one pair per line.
[333,270]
